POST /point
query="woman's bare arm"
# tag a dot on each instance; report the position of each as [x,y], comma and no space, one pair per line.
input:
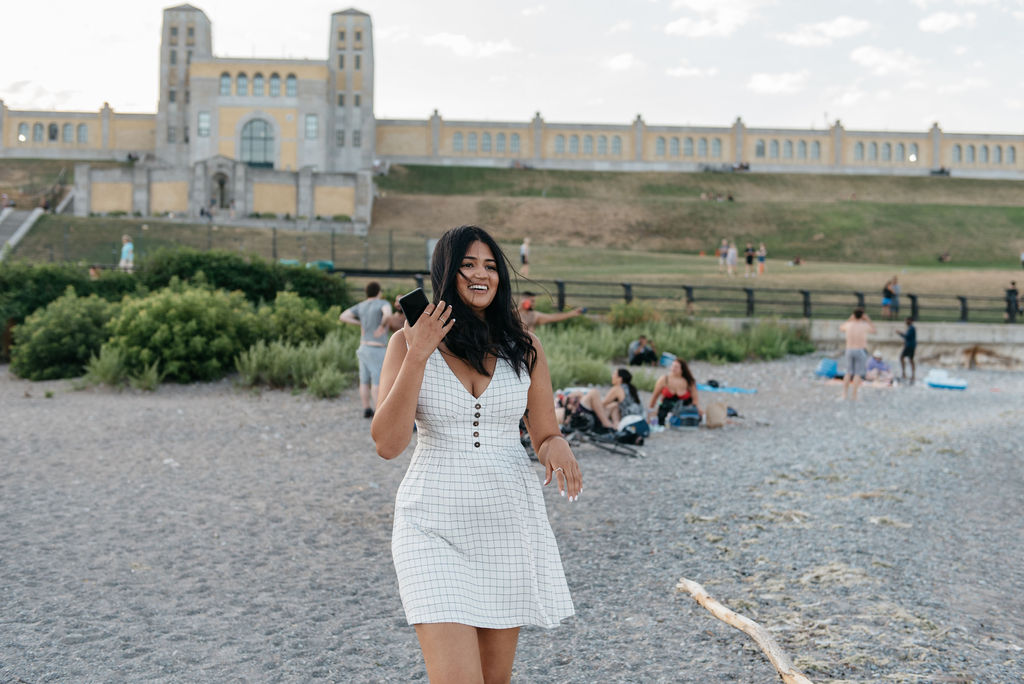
[657,390]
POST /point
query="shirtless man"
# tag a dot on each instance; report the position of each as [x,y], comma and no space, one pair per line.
[532,318]
[857,328]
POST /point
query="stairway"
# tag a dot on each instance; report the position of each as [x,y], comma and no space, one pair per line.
[11,223]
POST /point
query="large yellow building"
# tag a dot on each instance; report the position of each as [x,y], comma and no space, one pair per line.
[299,137]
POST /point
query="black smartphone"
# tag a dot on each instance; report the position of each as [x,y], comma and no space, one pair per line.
[413,305]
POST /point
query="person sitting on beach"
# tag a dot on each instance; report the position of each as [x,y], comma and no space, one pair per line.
[532,318]
[620,401]
[878,369]
[641,351]
[676,386]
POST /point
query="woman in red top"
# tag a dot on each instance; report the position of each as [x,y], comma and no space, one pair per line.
[675,386]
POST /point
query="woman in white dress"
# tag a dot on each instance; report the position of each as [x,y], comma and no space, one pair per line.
[475,556]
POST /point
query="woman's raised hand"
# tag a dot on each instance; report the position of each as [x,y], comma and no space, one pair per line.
[431,327]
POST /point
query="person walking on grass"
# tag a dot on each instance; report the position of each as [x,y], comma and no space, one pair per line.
[909,347]
[731,257]
[723,252]
[524,257]
[127,262]
[857,328]
[748,256]
[762,256]
[371,315]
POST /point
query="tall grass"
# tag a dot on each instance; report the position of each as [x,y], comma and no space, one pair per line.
[324,368]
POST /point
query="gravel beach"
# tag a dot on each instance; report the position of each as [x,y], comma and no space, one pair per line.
[206,533]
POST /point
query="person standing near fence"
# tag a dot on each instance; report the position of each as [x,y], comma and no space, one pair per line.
[748,256]
[762,256]
[731,257]
[371,315]
[909,347]
[857,328]
[524,257]
[127,262]
[532,318]
[722,251]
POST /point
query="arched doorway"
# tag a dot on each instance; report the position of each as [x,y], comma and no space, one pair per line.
[221,191]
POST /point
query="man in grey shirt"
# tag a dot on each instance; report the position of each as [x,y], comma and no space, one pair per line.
[371,316]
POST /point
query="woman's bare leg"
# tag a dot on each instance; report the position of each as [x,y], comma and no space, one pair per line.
[592,401]
[451,652]
[497,652]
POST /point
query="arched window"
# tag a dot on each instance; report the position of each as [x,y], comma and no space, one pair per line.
[67,133]
[759,149]
[500,143]
[54,132]
[471,142]
[673,147]
[485,142]
[588,144]
[38,132]
[457,142]
[801,149]
[275,85]
[913,152]
[957,154]
[997,154]
[258,143]
[291,86]
[225,84]
[617,146]
[970,154]
[983,158]
[574,144]
[515,143]
[257,85]
[702,147]
[241,84]
[602,145]
[659,147]
[858,152]
[901,152]
[815,150]
[1011,155]
[559,144]
[688,147]
[873,151]
[887,152]
[23,132]
[83,133]
[787,149]
[716,148]
[773,149]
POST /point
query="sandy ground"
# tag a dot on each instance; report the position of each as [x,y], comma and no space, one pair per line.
[207,533]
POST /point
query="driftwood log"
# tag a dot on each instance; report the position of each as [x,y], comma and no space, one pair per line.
[755,631]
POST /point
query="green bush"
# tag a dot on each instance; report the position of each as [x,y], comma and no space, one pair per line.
[108,368]
[57,341]
[294,320]
[195,333]
[328,383]
[257,279]
[623,315]
[279,364]
[149,378]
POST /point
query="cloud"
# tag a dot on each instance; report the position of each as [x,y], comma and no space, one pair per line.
[940,22]
[778,84]
[882,62]
[684,70]
[534,11]
[18,86]
[620,27]
[844,96]
[1014,103]
[464,47]
[824,32]
[714,18]
[392,34]
[963,86]
[960,50]
[623,62]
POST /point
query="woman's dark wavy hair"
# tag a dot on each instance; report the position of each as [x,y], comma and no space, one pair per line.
[627,380]
[500,332]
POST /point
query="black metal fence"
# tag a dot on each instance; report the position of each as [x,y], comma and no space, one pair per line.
[741,302]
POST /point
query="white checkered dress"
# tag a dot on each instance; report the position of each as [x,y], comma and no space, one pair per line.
[472,542]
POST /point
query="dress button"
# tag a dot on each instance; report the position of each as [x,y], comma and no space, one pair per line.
[476,434]
[476,423]
[478,405]
[476,415]
[476,444]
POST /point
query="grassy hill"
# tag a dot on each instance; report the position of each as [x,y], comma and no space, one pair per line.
[868,219]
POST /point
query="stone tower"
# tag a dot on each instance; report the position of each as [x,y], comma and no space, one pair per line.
[185,35]
[351,124]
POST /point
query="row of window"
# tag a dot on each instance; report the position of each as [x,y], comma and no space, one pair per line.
[588,144]
[341,36]
[257,148]
[485,142]
[174,33]
[291,85]
[982,154]
[885,152]
[688,147]
[358,61]
[787,150]
[54,133]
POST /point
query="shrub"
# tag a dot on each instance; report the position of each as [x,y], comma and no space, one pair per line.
[57,341]
[108,368]
[279,364]
[195,333]
[328,383]
[623,315]
[149,378]
[294,319]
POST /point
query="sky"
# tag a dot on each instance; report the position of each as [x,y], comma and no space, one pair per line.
[873,64]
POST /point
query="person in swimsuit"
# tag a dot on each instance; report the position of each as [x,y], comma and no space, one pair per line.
[675,386]
[474,553]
